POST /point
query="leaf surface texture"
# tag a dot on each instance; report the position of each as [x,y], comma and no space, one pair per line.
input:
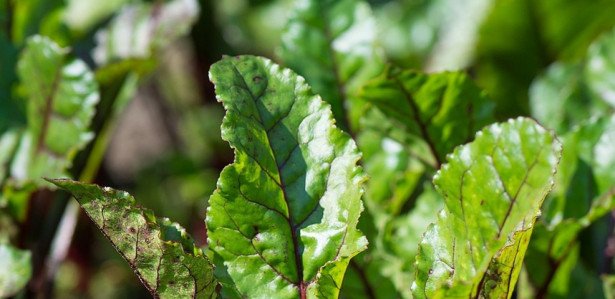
[282,222]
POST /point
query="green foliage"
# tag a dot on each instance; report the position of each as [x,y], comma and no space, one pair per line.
[61,95]
[570,93]
[286,216]
[139,30]
[15,271]
[442,110]
[493,188]
[333,45]
[282,221]
[159,251]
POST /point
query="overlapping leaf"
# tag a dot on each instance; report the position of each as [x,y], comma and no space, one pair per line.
[282,222]
[583,193]
[162,255]
[332,44]
[441,110]
[493,189]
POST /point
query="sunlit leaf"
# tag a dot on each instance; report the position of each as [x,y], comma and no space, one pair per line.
[282,222]
[493,189]
[159,251]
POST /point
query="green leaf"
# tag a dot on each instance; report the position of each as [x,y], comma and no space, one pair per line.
[584,192]
[600,69]
[142,29]
[81,15]
[282,222]
[609,286]
[570,93]
[8,144]
[547,30]
[30,17]
[15,271]
[560,98]
[160,252]
[493,189]
[440,110]
[61,99]
[332,44]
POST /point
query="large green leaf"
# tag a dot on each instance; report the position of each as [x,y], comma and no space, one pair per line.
[162,255]
[332,44]
[141,29]
[15,271]
[282,222]
[493,189]
[439,111]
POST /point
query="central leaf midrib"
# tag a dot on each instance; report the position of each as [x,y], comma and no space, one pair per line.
[298,258]
[48,109]
[417,118]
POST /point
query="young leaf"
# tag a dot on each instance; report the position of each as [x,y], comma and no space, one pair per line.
[443,110]
[282,222]
[493,189]
[161,254]
[332,44]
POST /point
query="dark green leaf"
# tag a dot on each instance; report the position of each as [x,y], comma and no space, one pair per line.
[332,44]
[162,255]
[282,222]
[547,30]
[442,110]
[493,189]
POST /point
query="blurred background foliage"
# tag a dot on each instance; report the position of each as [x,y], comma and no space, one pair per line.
[157,122]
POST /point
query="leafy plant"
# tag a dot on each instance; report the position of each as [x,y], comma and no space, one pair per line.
[391,149]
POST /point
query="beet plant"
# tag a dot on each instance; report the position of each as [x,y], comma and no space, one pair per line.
[381,149]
